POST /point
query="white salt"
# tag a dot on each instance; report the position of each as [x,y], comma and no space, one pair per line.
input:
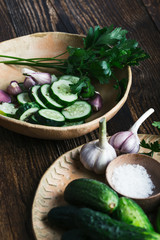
[132,180]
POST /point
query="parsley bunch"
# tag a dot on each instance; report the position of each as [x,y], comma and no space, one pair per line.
[104,50]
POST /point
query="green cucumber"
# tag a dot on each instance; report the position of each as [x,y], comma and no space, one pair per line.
[158,221]
[62,216]
[98,225]
[8,109]
[78,111]
[26,110]
[130,212]
[23,98]
[33,94]
[91,193]
[32,119]
[74,234]
[72,79]
[61,92]
[50,117]
[43,94]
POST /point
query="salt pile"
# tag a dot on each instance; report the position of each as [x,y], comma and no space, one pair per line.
[132,180]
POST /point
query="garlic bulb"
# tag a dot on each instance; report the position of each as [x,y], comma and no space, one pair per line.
[96,155]
[128,141]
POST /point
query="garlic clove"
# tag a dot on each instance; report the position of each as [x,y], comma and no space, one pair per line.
[118,139]
[129,144]
[87,152]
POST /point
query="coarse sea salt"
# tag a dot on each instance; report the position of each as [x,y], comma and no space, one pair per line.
[132,180]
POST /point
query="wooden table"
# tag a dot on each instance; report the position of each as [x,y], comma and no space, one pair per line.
[24,160]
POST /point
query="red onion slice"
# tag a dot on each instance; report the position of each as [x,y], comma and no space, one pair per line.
[4,97]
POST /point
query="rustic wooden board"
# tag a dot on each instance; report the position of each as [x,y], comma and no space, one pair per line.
[51,187]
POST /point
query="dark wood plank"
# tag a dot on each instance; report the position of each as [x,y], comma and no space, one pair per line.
[6,29]
[24,160]
[153,8]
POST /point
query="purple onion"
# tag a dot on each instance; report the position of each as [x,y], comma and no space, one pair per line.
[27,71]
[29,82]
[4,97]
[96,102]
[14,88]
[41,78]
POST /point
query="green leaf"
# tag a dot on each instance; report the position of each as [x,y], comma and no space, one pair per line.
[154,147]
[83,87]
[156,124]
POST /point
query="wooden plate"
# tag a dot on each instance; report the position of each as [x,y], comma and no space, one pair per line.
[51,187]
[50,44]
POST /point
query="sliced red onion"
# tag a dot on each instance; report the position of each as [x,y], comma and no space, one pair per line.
[29,82]
[27,71]
[14,88]
[4,97]
[96,102]
[41,78]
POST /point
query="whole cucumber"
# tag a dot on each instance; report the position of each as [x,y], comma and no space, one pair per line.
[74,234]
[62,216]
[100,226]
[158,221]
[130,212]
[91,193]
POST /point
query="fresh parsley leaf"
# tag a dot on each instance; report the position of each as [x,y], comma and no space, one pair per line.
[156,124]
[83,87]
[154,147]
[122,84]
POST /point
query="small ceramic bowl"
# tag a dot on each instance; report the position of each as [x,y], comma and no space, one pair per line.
[50,44]
[152,167]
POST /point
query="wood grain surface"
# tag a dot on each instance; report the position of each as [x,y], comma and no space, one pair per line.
[23,160]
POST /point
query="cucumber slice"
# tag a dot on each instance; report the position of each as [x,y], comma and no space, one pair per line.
[43,94]
[32,119]
[50,117]
[8,109]
[61,92]
[25,110]
[23,98]
[78,111]
[33,94]
[72,79]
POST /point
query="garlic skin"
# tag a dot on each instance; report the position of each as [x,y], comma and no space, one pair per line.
[128,141]
[96,155]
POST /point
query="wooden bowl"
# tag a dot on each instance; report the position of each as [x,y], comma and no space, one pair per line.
[49,44]
[153,169]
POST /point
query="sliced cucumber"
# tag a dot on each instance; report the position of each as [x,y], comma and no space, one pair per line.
[23,98]
[25,110]
[32,119]
[8,109]
[53,78]
[61,92]
[50,117]
[43,94]
[33,94]
[72,79]
[78,111]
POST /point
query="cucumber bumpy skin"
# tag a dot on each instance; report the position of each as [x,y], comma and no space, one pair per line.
[74,234]
[91,193]
[62,216]
[130,212]
[100,226]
